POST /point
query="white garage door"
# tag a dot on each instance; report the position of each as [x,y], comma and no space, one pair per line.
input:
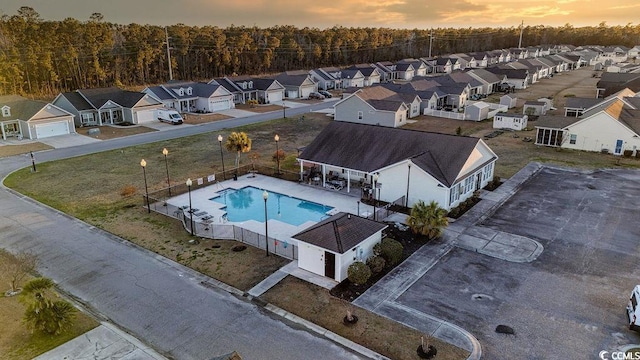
[275,97]
[292,94]
[219,105]
[52,129]
[146,116]
[306,91]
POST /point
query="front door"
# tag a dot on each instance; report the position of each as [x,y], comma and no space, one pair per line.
[479,181]
[329,265]
[618,150]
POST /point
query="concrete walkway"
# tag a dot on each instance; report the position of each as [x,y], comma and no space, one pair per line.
[293,270]
[104,342]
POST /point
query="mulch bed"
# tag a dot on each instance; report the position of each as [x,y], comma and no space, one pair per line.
[410,243]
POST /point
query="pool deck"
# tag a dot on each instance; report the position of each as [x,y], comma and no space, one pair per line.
[277,229]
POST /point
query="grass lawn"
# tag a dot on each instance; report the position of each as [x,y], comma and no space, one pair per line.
[375,332]
[195,119]
[99,200]
[10,150]
[16,342]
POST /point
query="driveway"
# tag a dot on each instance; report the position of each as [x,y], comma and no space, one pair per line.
[570,302]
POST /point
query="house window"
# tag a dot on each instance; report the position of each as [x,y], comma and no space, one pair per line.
[359,115]
[87,117]
[250,84]
[181,92]
[6,111]
[244,85]
[189,91]
[454,194]
[573,138]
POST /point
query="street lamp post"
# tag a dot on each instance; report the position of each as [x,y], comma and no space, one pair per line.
[284,110]
[406,200]
[189,183]
[265,196]
[221,156]
[375,186]
[33,162]
[146,189]
[277,139]
[358,207]
[165,152]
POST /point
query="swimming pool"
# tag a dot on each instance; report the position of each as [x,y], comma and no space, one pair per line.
[247,203]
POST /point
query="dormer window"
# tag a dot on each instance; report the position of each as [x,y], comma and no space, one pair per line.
[6,111]
[244,85]
[250,84]
[181,92]
[189,91]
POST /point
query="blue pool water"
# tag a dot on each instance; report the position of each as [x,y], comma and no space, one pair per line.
[247,203]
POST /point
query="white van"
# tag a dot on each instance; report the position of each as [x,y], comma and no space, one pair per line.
[169,116]
[633,311]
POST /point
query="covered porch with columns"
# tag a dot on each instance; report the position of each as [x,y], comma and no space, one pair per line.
[351,181]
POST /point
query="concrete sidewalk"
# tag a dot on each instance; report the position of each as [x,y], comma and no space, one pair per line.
[102,343]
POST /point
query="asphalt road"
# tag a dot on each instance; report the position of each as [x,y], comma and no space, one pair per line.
[570,302]
[156,300]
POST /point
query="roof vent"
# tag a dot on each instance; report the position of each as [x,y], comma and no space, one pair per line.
[348,216]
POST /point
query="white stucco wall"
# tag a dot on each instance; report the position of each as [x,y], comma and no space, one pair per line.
[359,253]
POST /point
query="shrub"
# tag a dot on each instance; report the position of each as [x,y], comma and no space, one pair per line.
[627,153]
[358,273]
[376,264]
[128,190]
[391,251]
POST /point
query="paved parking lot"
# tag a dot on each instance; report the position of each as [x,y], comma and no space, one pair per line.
[570,302]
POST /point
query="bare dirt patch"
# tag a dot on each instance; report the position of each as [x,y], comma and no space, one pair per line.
[375,332]
[112,132]
[11,149]
[195,119]
[16,342]
[259,108]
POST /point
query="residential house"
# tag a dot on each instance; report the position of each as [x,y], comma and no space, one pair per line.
[297,86]
[518,78]
[611,83]
[267,91]
[510,121]
[352,78]
[327,78]
[404,71]
[576,106]
[329,247]
[409,166]
[480,60]
[443,65]
[430,96]
[386,70]
[419,67]
[377,106]
[29,119]
[108,106]
[370,72]
[242,90]
[489,80]
[192,96]
[634,52]
[610,127]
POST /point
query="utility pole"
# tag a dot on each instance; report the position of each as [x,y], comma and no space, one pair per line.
[521,30]
[166,35]
[430,41]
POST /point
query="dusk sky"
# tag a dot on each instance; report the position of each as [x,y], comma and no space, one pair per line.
[359,13]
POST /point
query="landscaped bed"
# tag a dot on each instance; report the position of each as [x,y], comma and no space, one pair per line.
[375,332]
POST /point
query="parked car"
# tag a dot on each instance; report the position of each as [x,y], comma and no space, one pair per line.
[325,93]
[315,95]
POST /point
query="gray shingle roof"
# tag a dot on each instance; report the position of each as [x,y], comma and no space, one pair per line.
[78,101]
[99,96]
[20,108]
[440,155]
[581,103]
[555,122]
[340,233]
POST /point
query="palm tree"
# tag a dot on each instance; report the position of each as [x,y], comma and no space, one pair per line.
[428,220]
[43,314]
[238,142]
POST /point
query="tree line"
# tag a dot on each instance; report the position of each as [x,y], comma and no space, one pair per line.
[42,58]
